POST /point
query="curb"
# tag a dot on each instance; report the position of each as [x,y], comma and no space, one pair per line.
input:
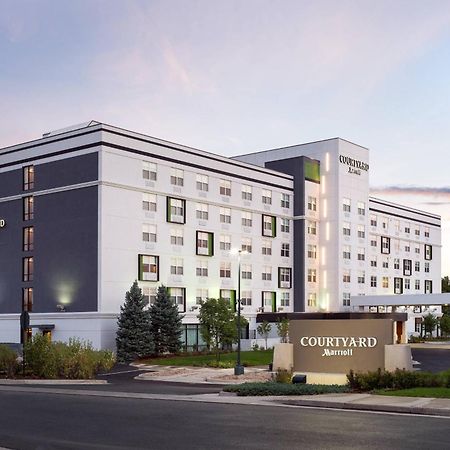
[53,382]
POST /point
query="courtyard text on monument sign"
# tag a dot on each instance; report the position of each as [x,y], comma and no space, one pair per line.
[348,344]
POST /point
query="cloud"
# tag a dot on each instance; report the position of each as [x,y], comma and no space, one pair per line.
[413,190]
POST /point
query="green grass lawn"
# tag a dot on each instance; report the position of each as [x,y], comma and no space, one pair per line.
[435,392]
[250,358]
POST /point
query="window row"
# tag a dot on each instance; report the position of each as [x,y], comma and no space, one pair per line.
[150,172]
[386,248]
[347,206]
[398,226]
[149,265]
[385,263]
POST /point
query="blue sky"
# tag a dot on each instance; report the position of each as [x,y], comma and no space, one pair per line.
[238,76]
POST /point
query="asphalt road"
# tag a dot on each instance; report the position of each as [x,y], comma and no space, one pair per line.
[431,360]
[49,421]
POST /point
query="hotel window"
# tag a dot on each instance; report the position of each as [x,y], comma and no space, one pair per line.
[246,245]
[416,266]
[407,284]
[28,208]
[284,277]
[285,300]
[148,268]
[176,210]
[346,278]
[417,231]
[27,299]
[246,271]
[361,231]
[267,196]
[229,296]
[176,177]
[246,298]
[225,215]
[361,277]
[269,226]
[398,285]
[312,251]
[373,220]
[361,208]
[397,225]
[346,204]
[373,242]
[312,299]
[417,249]
[266,248]
[28,269]
[285,249]
[246,219]
[202,268]
[385,282]
[225,269]
[396,263]
[285,200]
[407,263]
[397,245]
[28,178]
[361,254]
[28,239]
[384,223]
[178,297]
[346,230]
[312,227]
[269,301]
[312,275]
[225,188]
[427,267]
[246,192]
[149,171]
[201,211]
[346,299]
[407,228]
[428,252]
[385,245]
[202,182]
[385,263]
[285,227]
[149,202]
[417,285]
[205,243]
[201,296]
[266,274]
[312,203]
[407,248]
[149,233]
[373,281]
[373,262]
[176,266]
[427,232]
[225,242]
[428,287]
[149,294]
[176,236]
[346,252]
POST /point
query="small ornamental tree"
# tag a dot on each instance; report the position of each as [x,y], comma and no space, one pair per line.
[217,324]
[444,324]
[165,324]
[283,330]
[264,330]
[429,323]
[133,338]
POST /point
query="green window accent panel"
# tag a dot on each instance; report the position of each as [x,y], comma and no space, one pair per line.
[168,210]
[274,302]
[233,301]
[210,244]
[274,226]
[141,267]
[312,171]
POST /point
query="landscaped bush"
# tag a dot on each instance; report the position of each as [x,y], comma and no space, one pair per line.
[273,388]
[75,360]
[8,361]
[283,376]
[400,379]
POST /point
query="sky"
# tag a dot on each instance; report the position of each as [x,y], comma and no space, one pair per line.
[233,77]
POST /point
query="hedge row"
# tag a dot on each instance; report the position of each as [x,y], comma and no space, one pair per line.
[274,388]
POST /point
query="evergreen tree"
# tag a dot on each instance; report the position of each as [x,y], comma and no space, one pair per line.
[165,324]
[133,338]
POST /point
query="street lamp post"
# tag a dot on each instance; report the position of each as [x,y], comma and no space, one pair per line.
[239,369]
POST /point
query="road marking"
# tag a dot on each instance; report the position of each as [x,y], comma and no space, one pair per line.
[118,373]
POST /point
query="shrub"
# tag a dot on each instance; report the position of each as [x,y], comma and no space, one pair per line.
[273,388]
[283,376]
[8,361]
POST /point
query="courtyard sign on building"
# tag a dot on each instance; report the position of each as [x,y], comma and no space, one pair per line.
[2,223]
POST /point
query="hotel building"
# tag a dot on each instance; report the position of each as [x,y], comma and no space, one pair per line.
[87,210]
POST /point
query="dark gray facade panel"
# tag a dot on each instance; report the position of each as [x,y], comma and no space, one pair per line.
[11,183]
[296,168]
[68,171]
[66,251]
[11,257]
